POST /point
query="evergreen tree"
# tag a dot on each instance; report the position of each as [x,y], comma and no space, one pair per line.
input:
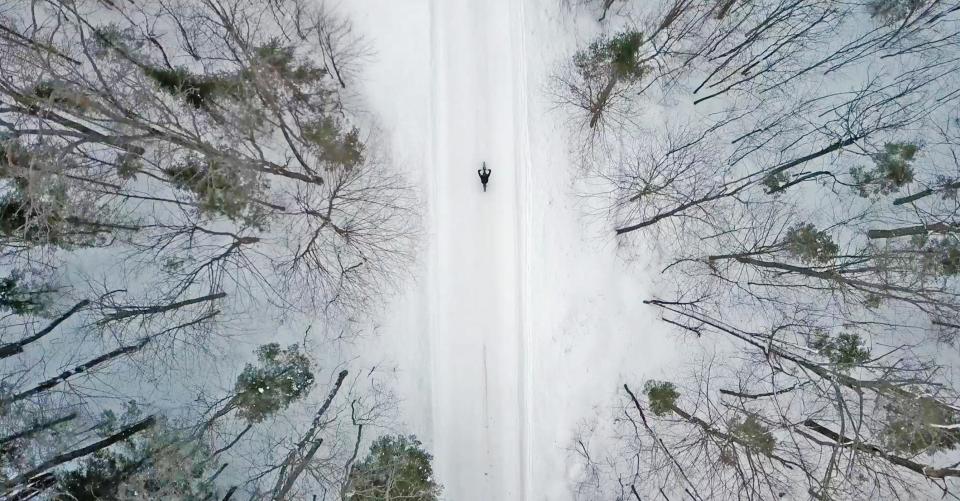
[891,171]
[809,245]
[21,298]
[845,350]
[919,425]
[662,395]
[221,188]
[608,63]
[282,376]
[751,432]
[617,57]
[159,464]
[396,468]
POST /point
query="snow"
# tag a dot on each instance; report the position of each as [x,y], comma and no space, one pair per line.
[520,320]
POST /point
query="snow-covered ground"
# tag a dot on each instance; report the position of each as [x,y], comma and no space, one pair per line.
[521,321]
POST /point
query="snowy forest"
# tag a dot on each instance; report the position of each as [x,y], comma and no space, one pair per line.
[800,199]
[176,175]
[234,262]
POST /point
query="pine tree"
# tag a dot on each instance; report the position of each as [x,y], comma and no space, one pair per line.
[396,468]
[159,464]
[282,376]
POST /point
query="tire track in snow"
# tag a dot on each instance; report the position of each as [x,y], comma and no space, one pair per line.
[524,171]
[429,293]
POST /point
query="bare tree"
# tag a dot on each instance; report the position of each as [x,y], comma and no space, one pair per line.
[802,202]
[169,128]
[176,165]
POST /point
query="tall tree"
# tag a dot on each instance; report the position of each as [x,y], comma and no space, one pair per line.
[395,468]
[801,195]
[175,166]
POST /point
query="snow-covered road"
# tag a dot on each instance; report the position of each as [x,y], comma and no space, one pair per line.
[475,265]
[519,320]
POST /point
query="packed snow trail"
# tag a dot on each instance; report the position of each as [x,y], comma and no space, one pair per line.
[516,289]
[475,267]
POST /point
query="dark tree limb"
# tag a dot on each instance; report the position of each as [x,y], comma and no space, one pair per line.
[606,7]
[295,467]
[84,367]
[27,42]
[806,177]
[909,231]
[754,396]
[81,452]
[601,101]
[34,488]
[842,441]
[348,466]
[925,193]
[131,311]
[11,349]
[36,428]
[232,442]
[643,418]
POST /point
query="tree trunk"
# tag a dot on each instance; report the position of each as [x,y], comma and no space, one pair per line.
[63,376]
[36,428]
[601,102]
[925,193]
[806,158]
[603,15]
[34,488]
[83,451]
[842,441]
[233,442]
[11,349]
[677,210]
[285,481]
[857,385]
[909,231]
[131,311]
[723,8]
[703,425]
